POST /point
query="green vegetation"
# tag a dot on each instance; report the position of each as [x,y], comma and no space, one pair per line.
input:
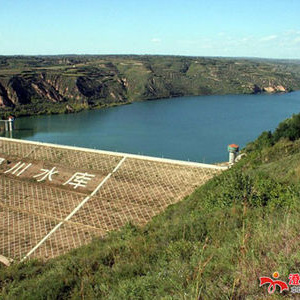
[58,84]
[214,244]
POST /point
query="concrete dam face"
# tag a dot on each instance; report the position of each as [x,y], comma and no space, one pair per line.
[56,198]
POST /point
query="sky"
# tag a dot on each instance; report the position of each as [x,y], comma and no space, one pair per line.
[230,28]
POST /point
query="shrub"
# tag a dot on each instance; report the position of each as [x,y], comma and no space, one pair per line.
[289,128]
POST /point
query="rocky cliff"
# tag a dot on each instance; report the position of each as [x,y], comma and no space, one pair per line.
[30,85]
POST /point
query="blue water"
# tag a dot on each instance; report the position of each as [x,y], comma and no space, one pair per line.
[188,128]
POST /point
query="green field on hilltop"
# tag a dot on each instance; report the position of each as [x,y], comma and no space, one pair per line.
[214,244]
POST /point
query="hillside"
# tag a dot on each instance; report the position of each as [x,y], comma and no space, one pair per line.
[62,84]
[215,244]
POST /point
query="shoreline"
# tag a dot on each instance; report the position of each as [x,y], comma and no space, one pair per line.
[67,108]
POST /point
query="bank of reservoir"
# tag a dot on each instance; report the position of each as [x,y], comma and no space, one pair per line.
[187,128]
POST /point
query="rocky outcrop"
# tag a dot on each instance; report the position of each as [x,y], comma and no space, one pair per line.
[20,90]
[94,89]
[280,88]
[5,101]
[269,89]
[275,89]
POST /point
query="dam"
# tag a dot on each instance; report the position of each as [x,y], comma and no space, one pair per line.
[56,198]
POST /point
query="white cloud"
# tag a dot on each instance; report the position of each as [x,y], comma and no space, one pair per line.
[296,40]
[269,38]
[245,39]
[155,40]
[292,32]
[277,45]
[207,46]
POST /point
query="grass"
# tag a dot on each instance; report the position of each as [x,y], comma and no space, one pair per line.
[198,248]
[214,244]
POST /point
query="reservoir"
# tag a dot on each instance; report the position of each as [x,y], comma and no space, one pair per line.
[195,128]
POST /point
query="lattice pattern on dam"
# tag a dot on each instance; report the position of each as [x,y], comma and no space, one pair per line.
[56,198]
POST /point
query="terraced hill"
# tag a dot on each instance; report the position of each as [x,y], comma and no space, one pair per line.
[59,84]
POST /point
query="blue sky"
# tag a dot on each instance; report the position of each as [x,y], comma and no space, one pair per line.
[252,28]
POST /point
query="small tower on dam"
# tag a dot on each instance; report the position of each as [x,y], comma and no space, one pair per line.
[9,123]
[11,120]
[233,150]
